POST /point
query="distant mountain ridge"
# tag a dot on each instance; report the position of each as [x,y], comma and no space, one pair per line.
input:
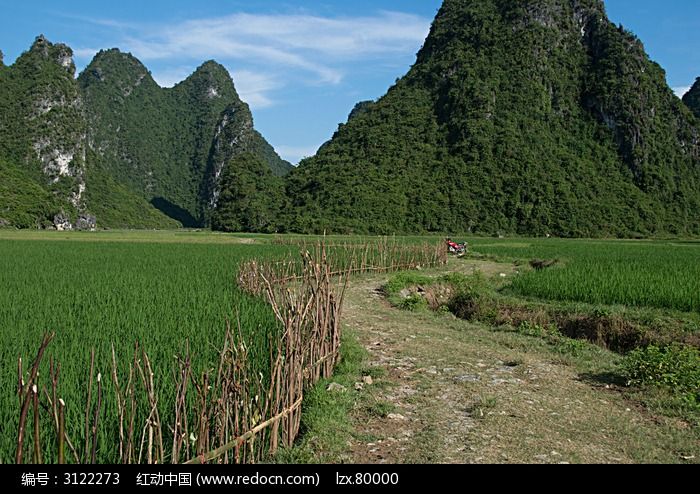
[114,144]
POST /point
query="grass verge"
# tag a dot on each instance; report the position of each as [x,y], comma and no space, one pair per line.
[327,428]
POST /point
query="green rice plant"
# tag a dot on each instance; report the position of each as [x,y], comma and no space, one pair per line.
[659,274]
[165,297]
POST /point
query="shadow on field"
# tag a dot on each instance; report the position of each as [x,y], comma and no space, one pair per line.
[603,378]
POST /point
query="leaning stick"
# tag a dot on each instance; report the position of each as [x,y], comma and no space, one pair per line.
[213,455]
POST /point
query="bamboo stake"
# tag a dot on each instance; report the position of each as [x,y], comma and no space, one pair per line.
[37,438]
[180,404]
[20,381]
[61,432]
[56,404]
[120,406]
[26,401]
[86,450]
[153,398]
[130,386]
[96,418]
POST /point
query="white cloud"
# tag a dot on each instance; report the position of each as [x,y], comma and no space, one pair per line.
[97,21]
[172,75]
[88,53]
[681,91]
[197,45]
[313,44]
[253,87]
[294,154]
[350,37]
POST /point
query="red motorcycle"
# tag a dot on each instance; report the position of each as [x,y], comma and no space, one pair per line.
[457,249]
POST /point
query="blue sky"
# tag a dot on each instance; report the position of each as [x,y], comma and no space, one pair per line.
[301,65]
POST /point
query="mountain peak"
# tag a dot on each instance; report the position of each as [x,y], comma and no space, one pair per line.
[40,42]
[116,54]
[114,57]
[214,71]
[57,53]
[211,81]
[463,21]
[122,70]
[212,66]
[530,117]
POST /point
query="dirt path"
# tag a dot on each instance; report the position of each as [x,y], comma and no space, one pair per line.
[453,392]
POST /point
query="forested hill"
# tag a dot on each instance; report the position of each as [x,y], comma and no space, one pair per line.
[113,144]
[42,146]
[529,117]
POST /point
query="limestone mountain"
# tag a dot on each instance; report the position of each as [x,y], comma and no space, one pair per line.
[692,98]
[42,132]
[529,117]
[168,144]
[114,144]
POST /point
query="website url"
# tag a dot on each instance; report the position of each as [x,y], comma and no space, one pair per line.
[258,480]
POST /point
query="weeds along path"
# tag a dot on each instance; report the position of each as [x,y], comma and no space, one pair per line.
[455,392]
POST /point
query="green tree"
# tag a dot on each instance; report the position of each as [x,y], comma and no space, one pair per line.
[251,197]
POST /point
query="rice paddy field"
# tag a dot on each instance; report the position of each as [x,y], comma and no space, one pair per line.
[166,290]
[107,289]
[657,274]
[170,293]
